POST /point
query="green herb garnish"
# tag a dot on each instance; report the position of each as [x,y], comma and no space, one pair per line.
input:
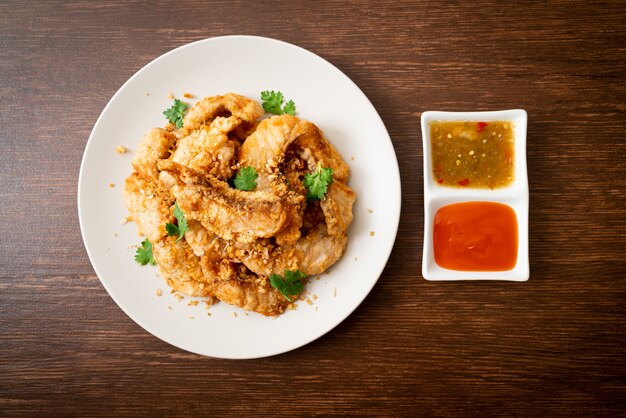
[175,113]
[179,229]
[290,285]
[317,183]
[273,103]
[143,255]
[246,178]
[289,108]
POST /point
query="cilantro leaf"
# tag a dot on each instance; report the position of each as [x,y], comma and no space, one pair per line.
[273,100]
[182,227]
[175,113]
[246,178]
[318,182]
[290,286]
[143,255]
[290,108]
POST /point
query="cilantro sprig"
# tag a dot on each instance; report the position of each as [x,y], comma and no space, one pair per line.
[182,227]
[317,183]
[143,255]
[273,103]
[246,179]
[176,113]
[290,285]
[290,108]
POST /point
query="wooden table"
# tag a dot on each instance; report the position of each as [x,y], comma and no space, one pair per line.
[555,345]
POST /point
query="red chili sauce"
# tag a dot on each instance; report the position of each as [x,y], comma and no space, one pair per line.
[476,236]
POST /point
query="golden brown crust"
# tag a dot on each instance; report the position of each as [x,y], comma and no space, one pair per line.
[211,107]
[181,268]
[315,149]
[154,146]
[337,208]
[227,212]
[209,149]
[148,206]
[251,292]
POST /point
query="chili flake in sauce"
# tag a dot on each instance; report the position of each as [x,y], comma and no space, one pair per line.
[476,155]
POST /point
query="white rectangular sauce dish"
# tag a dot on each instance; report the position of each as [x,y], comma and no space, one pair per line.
[514,195]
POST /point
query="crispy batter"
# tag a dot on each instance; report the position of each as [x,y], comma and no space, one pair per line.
[209,149]
[155,145]
[211,107]
[314,149]
[264,150]
[313,253]
[147,206]
[251,292]
[227,212]
[236,239]
[337,208]
[290,233]
[266,146]
[181,267]
[203,242]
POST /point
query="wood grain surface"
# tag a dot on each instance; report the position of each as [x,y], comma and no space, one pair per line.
[555,345]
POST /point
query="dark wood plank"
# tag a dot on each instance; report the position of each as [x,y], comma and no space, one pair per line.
[555,345]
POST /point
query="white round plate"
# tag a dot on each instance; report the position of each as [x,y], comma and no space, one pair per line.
[246,65]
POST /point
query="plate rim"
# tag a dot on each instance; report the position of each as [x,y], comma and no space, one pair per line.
[279,43]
